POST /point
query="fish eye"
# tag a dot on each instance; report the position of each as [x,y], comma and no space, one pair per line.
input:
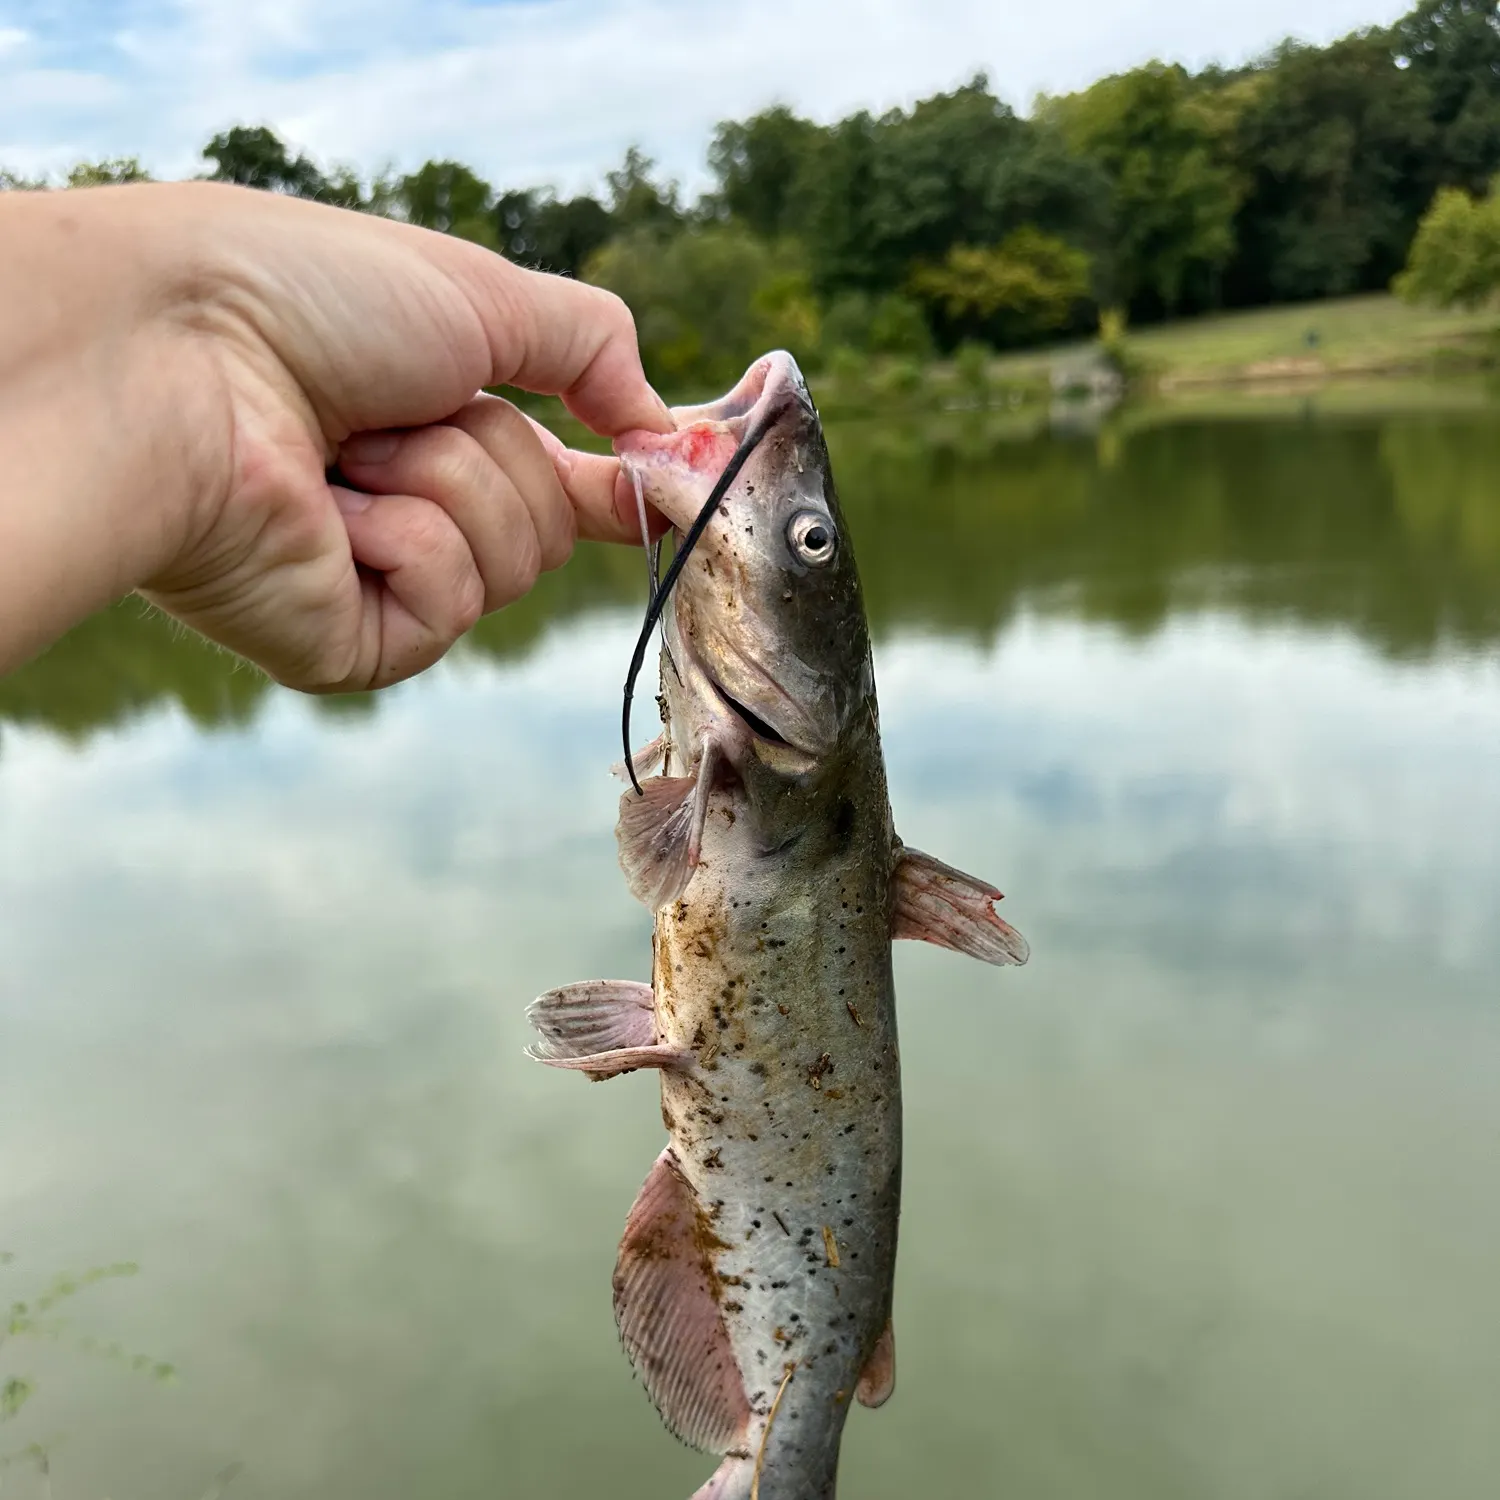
[810,535]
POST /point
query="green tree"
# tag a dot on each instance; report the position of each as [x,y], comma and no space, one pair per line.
[637,201]
[536,228]
[758,164]
[870,197]
[1043,182]
[1455,258]
[888,324]
[104,173]
[1029,285]
[449,197]
[938,172]
[255,156]
[840,211]
[1331,146]
[708,300]
[879,196]
[1171,200]
[1452,48]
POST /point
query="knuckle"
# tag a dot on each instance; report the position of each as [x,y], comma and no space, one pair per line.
[617,314]
[501,430]
[452,462]
[467,603]
[504,418]
[526,558]
[323,668]
[429,530]
[562,536]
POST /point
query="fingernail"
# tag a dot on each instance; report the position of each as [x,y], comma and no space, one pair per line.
[669,422]
[370,447]
[351,502]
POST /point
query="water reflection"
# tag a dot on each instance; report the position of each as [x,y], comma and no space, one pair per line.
[1383,522]
[1199,1204]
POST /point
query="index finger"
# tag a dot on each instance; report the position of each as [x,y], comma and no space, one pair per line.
[600,493]
[559,337]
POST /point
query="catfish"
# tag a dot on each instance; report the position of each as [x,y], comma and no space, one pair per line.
[753,1285]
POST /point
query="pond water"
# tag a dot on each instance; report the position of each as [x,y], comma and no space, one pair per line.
[1203,1202]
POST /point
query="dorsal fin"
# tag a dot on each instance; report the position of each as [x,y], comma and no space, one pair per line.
[669,1318]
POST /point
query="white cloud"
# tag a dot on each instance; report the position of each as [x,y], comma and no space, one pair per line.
[554,89]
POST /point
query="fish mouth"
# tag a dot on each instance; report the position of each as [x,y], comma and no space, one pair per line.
[771,382]
[678,468]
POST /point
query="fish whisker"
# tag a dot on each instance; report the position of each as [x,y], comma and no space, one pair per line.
[660,594]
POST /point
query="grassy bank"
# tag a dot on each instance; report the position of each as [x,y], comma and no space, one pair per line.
[1339,340]
[1341,337]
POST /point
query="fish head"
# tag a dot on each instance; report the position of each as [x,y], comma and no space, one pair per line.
[767,610]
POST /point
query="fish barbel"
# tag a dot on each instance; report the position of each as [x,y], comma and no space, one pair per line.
[753,1285]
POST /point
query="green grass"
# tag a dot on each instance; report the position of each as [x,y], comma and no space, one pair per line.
[1355,335]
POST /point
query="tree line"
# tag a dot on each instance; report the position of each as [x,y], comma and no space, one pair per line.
[1154,193]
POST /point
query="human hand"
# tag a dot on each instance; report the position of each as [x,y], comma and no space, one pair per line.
[286,336]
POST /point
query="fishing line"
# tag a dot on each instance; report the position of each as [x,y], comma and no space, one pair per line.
[661,591]
[652,550]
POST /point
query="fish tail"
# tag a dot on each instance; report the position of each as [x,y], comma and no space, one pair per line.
[734,1479]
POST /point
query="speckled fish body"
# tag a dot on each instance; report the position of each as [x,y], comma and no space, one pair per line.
[773,969]
[754,1285]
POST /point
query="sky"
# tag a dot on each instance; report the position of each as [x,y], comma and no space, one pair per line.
[552,91]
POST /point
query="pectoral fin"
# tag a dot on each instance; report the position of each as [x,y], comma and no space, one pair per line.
[594,1016]
[602,1027]
[660,831]
[669,1320]
[937,904]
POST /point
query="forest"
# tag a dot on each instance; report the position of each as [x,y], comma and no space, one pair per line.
[1153,194]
